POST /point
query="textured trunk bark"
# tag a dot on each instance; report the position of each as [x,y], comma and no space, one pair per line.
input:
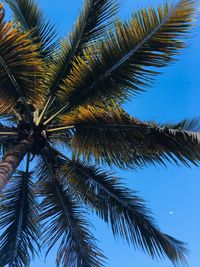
[11,161]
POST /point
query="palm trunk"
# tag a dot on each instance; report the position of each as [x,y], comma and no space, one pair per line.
[11,161]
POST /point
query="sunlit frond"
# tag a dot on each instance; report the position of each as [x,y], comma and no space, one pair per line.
[20,66]
[30,17]
[65,222]
[112,136]
[122,209]
[121,67]
[18,222]
[91,25]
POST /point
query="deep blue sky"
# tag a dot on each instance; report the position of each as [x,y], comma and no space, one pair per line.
[174,96]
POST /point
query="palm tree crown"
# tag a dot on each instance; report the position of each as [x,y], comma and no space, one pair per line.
[57,94]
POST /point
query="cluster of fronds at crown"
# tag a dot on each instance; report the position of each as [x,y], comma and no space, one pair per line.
[73,89]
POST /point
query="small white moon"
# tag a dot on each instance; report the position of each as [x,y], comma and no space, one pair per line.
[171,212]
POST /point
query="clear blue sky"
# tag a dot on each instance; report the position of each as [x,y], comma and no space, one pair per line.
[175,96]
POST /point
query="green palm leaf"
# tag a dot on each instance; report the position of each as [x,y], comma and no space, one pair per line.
[122,209]
[19,221]
[121,67]
[112,136]
[65,222]
[31,18]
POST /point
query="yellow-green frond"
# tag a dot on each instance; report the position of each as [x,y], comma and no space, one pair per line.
[31,18]
[119,66]
[20,66]
[112,136]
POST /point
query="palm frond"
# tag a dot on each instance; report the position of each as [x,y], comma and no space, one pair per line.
[122,209]
[20,66]
[31,18]
[112,136]
[122,65]
[186,124]
[19,222]
[91,25]
[65,222]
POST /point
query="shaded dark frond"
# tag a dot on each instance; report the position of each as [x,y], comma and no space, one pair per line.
[121,67]
[30,17]
[65,222]
[19,222]
[112,136]
[47,163]
[91,25]
[122,209]
[20,67]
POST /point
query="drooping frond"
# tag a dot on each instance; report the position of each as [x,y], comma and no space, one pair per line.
[121,67]
[18,222]
[31,18]
[122,209]
[20,66]
[65,222]
[112,136]
[91,25]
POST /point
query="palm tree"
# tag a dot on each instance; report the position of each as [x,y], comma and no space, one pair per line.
[60,104]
